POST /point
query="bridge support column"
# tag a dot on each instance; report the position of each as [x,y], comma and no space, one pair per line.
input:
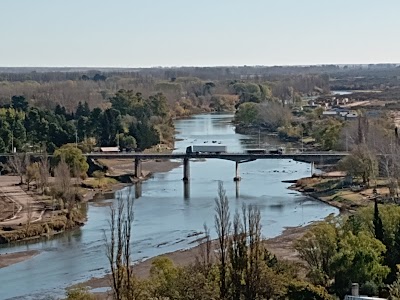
[186,190]
[237,177]
[138,189]
[138,168]
[186,169]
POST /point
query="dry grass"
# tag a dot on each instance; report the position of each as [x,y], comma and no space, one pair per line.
[101,183]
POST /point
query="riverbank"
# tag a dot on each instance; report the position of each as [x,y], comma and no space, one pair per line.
[332,188]
[281,246]
[25,216]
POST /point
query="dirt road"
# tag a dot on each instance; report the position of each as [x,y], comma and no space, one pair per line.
[23,206]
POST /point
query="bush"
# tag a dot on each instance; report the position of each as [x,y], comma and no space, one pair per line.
[306,291]
[79,293]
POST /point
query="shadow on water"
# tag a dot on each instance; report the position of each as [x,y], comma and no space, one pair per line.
[138,190]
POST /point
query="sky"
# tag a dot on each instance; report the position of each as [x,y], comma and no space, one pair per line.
[149,33]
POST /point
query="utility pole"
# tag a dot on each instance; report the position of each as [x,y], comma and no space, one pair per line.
[12,142]
[76,138]
[259,137]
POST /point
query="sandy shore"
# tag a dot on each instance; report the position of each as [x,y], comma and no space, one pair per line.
[8,259]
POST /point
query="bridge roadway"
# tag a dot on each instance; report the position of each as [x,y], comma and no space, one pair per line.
[300,156]
[309,157]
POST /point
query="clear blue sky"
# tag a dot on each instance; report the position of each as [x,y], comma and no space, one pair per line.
[133,33]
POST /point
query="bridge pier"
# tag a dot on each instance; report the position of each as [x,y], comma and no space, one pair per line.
[186,190]
[186,170]
[138,168]
[237,177]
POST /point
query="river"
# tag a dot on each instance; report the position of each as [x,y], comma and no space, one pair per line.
[167,219]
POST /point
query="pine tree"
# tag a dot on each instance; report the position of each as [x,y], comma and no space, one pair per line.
[378,226]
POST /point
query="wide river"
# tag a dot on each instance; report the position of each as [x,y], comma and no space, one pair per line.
[166,218]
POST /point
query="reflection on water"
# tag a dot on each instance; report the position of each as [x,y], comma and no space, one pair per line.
[237,189]
[186,190]
[138,190]
[168,212]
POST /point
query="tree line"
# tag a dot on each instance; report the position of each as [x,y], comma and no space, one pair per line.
[132,121]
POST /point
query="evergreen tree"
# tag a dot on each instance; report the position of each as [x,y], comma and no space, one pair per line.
[393,257]
[82,110]
[2,146]
[19,103]
[378,226]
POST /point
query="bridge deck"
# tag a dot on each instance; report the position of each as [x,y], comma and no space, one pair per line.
[227,156]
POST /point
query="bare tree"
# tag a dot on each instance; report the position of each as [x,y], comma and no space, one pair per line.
[118,247]
[204,259]
[29,215]
[223,228]
[274,115]
[44,173]
[253,270]
[32,174]
[18,163]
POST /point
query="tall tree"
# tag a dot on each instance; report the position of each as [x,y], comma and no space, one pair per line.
[118,245]
[378,226]
[19,103]
[223,228]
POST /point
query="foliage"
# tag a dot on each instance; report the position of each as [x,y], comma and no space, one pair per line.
[247,113]
[145,134]
[359,259]
[378,226]
[327,133]
[345,251]
[394,289]
[79,293]
[32,174]
[318,248]
[361,163]
[98,175]
[127,141]
[73,157]
[303,291]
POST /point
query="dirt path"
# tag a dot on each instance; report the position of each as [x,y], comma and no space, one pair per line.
[24,206]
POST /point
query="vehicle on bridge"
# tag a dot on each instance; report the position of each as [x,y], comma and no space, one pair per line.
[256,151]
[280,150]
[217,149]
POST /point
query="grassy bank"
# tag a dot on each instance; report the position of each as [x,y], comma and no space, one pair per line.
[334,191]
[48,226]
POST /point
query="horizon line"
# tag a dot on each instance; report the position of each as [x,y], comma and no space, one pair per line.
[200,66]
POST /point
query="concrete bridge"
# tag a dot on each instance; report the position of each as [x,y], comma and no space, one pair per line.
[238,158]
